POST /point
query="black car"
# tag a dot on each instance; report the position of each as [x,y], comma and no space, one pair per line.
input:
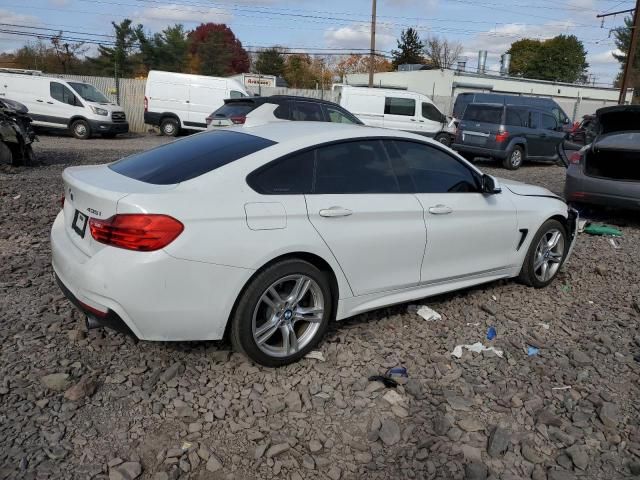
[511,133]
[16,134]
[235,110]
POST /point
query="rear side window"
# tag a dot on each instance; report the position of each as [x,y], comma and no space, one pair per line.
[483,113]
[307,112]
[399,106]
[516,117]
[287,176]
[534,119]
[354,167]
[339,116]
[189,157]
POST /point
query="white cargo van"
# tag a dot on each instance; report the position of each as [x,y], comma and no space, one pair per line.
[179,100]
[396,109]
[63,104]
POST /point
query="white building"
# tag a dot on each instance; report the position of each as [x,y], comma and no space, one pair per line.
[444,85]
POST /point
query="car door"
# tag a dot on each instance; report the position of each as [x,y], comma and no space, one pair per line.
[375,232]
[469,233]
[400,113]
[535,147]
[61,105]
[551,136]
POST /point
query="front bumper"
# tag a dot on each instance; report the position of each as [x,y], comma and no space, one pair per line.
[479,151]
[108,127]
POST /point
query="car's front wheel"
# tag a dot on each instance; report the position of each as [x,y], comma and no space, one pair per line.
[81,129]
[283,313]
[546,254]
[444,138]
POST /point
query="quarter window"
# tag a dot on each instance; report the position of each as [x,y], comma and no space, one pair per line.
[354,167]
[290,175]
[435,171]
[307,112]
[62,94]
[400,106]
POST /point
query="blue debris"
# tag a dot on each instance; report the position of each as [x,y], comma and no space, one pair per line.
[532,351]
[491,333]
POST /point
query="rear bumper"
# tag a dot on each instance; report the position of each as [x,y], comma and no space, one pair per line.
[480,151]
[152,118]
[108,127]
[600,191]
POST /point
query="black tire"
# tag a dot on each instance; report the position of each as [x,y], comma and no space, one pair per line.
[6,156]
[81,129]
[169,127]
[515,159]
[444,139]
[29,157]
[242,335]
[528,274]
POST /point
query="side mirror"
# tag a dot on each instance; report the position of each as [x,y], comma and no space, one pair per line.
[566,121]
[490,185]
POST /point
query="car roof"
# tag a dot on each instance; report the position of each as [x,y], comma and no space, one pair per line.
[279,98]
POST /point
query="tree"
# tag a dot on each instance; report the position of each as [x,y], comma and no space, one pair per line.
[623,41]
[167,50]
[298,71]
[215,50]
[360,64]
[440,53]
[561,59]
[270,61]
[409,48]
[121,58]
[67,53]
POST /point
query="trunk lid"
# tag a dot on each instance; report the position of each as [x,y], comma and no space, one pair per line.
[619,118]
[94,192]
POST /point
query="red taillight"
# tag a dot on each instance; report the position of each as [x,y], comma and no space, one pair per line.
[238,119]
[502,136]
[575,158]
[146,104]
[141,232]
[62,202]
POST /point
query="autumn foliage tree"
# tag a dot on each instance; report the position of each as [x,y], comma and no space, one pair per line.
[215,50]
[360,64]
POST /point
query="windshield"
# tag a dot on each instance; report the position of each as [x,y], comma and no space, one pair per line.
[88,92]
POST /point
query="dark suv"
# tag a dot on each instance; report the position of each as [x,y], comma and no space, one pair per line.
[511,133]
[235,110]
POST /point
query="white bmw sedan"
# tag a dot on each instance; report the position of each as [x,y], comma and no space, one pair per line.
[268,233]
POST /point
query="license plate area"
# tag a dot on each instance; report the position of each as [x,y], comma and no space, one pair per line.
[79,224]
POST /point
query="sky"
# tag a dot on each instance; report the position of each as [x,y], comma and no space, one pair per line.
[313,25]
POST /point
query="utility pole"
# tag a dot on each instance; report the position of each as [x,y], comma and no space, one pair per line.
[633,44]
[372,53]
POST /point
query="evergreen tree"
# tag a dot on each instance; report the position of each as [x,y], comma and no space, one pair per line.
[409,48]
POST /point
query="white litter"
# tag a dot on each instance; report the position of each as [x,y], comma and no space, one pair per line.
[581,225]
[567,387]
[17,197]
[428,314]
[546,326]
[477,348]
[495,299]
[614,243]
[315,355]
[475,324]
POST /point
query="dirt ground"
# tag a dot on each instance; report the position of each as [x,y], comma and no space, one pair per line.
[197,411]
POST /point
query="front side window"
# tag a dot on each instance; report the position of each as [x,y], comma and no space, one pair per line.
[338,116]
[189,157]
[400,106]
[88,92]
[354,167]
[430,112]
[61,93]
[307,112]
[549,122]
[435,171]
[287,176]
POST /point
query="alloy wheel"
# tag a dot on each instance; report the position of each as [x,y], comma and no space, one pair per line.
[288,315]
[516,158]
[81,129]
[549,254]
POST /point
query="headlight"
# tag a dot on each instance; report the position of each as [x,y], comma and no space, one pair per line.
[99,111]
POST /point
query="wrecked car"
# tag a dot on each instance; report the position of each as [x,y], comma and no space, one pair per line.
[16,134]
[607,171]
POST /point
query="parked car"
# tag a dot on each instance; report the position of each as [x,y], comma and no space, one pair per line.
[16,134]
[278,229]
[398,110]
[176,101]
[63,104]
[607,172]
[509,133]
[235,110]
[548,105]
[584,132]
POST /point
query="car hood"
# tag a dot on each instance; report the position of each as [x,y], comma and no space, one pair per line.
[618,118]
[524,189]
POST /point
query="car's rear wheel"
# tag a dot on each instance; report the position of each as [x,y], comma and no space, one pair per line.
[81,129]
[545,256]
[515,159]
[283,313]
[170,127]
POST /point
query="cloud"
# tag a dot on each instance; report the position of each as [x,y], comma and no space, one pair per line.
[59,3]
[603,58]
[358,36]
[8,42]
[158,18]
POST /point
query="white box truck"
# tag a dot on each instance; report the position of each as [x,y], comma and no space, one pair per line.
[396,109]
[175,101]
[63,104]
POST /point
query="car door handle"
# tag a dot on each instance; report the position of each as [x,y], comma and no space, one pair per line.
[40,101]
[335,212]
[50,103]
[440,210]
[412,119]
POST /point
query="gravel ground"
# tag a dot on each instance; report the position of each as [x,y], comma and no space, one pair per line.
[194,410]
